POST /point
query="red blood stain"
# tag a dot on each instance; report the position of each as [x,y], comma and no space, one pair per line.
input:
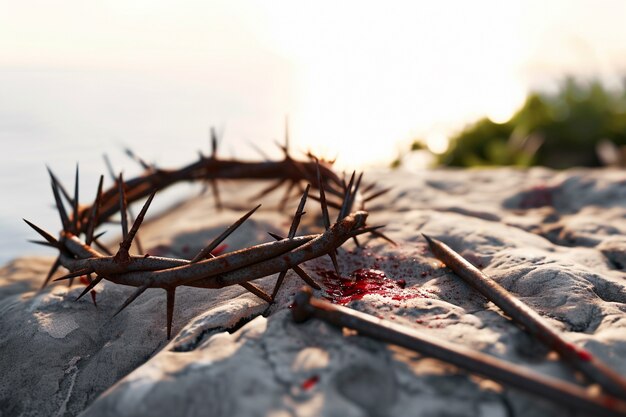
[85,281]
[342,290]
[219,250]
[310,382]
[609,402]
[583,354]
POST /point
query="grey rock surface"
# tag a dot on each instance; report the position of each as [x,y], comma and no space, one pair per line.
[554,239]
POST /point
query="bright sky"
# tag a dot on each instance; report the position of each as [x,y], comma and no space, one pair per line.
[358,79]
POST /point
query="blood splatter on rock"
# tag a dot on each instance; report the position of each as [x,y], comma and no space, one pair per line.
[362,282]
[310,382]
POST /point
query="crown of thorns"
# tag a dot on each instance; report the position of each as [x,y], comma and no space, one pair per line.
[205,270]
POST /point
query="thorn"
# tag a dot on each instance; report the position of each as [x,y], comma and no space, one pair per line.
[216,194]
[99,235]
[268,190]
[346,198]
[54,178]
[365,230]
[259,151]
[132,155]
[171,296]
[382,236]
[42,243]
[297,269]
[75,205]
[90,287]
[102,247]
[61,209]
[333,257]
[279,283]
[285,199]
[428,239]
[53,269]
[93,215]
[306,278]
[369,187]
[299,213]
[123,205]
[211,246]
[132,298]
[287,136]
[109,166]
[85,271]
[356,241]
[376,195]
[256,291]
[353,194]
[320,185]
[213,146]
[53,242]
[128,239]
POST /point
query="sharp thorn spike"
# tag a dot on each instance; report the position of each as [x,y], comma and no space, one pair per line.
[63,190]
[268,190]
[286,136]
[299,213]
[285,199]
[306,278]
[216,194]
[369,187]
[99,235]
[383,236]
[44,234]
[257,291]
[85,271]
[333,258]
[90,287]
[323,203]
[343,212]
[365,230]
[376,195]
[353,194]
[42,243]
[93,215]
[132,155]
[279,283]
[213,143]
[102,247]
[211,246]
[132,298]
[53,269]
[356,241]
[123,205]
[60,207]
[298,270]
[75,205]
[109,166]
[171,298]
[259,151]
[128,239]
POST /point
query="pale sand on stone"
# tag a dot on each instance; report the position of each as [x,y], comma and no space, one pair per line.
[556,240]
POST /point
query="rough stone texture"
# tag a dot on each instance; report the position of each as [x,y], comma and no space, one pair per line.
[555,239]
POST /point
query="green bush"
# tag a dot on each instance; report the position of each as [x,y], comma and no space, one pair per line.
[557,130]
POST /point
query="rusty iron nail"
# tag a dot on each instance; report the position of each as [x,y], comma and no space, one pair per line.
[559,391]
[534,324]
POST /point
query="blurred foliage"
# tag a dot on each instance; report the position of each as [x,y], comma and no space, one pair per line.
[558,130]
